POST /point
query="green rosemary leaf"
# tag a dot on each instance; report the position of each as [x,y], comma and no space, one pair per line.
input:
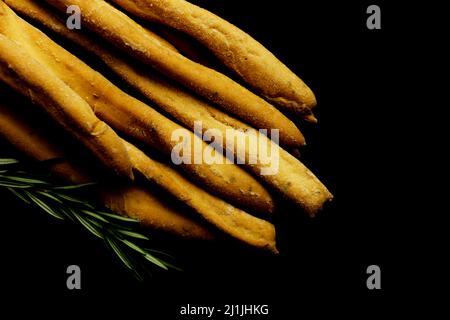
[24,180]
[49,195]
[95,215]
[132,234]
[118,217]
[8,161]
[146,255]
[97,224]
[155,261]
[44,206]
[71,199]
[78,186]
[68,214]
[159,252]
[133,246]
[18,195]
[112,244]
[171,266]
[88,225]
[14,185]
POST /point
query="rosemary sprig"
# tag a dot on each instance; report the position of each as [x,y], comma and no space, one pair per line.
[119,233]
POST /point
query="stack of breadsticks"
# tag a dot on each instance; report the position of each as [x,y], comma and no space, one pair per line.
[131,135]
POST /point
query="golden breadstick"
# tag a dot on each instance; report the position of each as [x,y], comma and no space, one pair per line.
[294,181]
[19,70]
[116,27]
[131,200]
[250,60]
[133,117]
[35,8]
[140,203]
[235,222]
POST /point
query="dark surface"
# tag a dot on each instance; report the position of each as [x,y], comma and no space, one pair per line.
[355,150]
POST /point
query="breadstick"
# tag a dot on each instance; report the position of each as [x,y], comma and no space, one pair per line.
[130,200]
[123,32]
[293,181]
[140,203]
[250,60]
[235,222]
[20,71]
[35,8]
[135,118]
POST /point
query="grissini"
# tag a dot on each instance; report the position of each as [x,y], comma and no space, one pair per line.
[131,200]
[231,220]
[248,58]
[113,25]
[293,181]
[36,8]
[142,204]
[20,71]
[133,117]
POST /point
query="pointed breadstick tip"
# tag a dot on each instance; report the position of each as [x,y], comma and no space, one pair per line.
[311,118]
[273,249]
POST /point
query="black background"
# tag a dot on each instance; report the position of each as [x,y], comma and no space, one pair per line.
[356,150]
